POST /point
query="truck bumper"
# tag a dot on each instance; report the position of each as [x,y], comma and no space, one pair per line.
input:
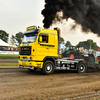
[28,64]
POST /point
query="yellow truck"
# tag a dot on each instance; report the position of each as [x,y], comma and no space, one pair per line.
[40,50]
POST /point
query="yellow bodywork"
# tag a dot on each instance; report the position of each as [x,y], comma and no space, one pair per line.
[41,50]
[31,64]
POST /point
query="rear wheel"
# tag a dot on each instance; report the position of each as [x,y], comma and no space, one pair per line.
[82,68]
[48,67]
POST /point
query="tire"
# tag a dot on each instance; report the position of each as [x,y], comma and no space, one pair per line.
[33,69]
[82,68]
[48,68]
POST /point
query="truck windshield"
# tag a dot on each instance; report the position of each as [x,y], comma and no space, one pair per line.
[29,38]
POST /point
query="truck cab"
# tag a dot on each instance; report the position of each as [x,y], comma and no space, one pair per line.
[38,47]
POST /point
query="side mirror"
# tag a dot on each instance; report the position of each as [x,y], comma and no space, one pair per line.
[40,39]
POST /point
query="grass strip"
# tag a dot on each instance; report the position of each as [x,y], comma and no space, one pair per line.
[8,63]
[5,55]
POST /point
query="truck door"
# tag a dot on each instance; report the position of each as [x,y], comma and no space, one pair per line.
[42,47]
[53,49]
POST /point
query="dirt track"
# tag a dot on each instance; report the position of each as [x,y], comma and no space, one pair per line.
[21,84]
[8,59]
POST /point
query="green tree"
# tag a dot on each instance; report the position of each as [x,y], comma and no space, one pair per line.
[89,41]
[61,40]
[68,43]
[4,36]
[12,39]
[18,37]
[89,44]
[94,46]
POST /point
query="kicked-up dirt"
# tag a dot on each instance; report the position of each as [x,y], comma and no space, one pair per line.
[21,84]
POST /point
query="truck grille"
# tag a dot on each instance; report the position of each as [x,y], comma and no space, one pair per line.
[25,51]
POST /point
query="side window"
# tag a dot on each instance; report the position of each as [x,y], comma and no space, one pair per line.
[44,38]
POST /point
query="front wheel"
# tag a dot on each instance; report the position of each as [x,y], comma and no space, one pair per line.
[48,68]
[82,68]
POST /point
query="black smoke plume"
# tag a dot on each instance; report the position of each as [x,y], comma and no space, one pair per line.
[85,13]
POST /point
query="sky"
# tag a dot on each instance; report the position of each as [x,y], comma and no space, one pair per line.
[17,15]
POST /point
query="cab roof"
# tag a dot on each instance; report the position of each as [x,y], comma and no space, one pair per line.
[34,29]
